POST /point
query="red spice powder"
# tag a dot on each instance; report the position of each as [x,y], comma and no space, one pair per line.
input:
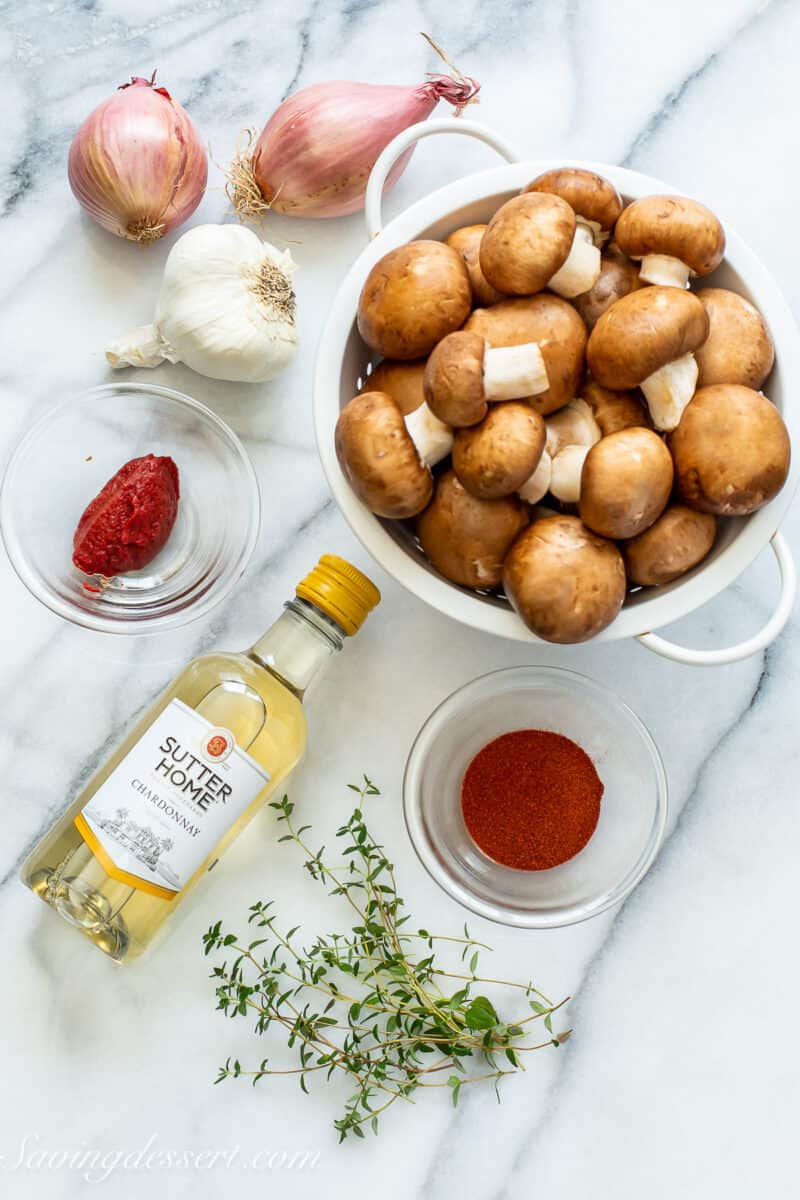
[531,799]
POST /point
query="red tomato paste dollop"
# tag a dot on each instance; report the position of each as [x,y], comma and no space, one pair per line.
[130,520]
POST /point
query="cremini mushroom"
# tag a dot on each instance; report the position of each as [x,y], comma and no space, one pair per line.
[738,348]
[618,276]
[467,242]
[676,542]
[464,373]
[400,380]
[557,330]
[537,486]
[647,339]
[595,202]
[731,451]
[566,473]
[566,583]
[496,457]
[614,410]
[466,539]
[380,458]
[626,483]
[412,298]
[531,243]
[572,425]
[673,236]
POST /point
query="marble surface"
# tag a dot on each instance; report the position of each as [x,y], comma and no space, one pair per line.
[681,1077]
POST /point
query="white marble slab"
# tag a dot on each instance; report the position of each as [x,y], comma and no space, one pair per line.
[681,1078]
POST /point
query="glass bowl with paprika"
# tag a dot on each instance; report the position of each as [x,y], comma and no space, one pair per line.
[535,797]
[130,508]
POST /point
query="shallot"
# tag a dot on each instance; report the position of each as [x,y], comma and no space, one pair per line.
[137,164]
[314,155]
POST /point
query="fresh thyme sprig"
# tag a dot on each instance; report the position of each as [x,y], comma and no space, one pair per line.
[373,1004]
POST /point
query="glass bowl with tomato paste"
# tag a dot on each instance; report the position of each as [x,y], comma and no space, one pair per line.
[137,463]
[535,797]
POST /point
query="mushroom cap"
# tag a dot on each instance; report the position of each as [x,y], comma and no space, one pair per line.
[495,458]
[566,583]
[412,298]
[453,380]
[466,539]
[554,325]
[618,276]
[527,240]
[626,483]
[379,458]
[731,450]
[466,241]
[589,195]
[400,380]
[674,225]
[738,348]
[676,542]
[615,410]
[643,332]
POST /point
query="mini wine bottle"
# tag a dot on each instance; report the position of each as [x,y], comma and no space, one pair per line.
[189,776]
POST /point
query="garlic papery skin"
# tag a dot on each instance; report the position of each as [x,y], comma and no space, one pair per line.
[581,270]
[668,391]
[432,438]
[511,372]
[665,270]
[226,309]
[537,486]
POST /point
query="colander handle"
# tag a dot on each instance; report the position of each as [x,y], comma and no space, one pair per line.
[759,641]
[390,154]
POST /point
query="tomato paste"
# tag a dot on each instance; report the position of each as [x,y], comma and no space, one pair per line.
[130,520]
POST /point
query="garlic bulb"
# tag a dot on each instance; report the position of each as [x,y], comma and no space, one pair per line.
[226,308]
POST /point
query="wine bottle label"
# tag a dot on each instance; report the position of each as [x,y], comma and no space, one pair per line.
[170,801]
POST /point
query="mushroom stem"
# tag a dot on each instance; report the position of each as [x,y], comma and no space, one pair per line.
[665,270]
[432,438]
[598,235]
[537,486]
[581,269]
[565,481]
[573,425]
[513,372]
[669,389]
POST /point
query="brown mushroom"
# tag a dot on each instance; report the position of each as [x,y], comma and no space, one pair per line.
[676,542]
[496,457]
[400,380]
[626,483]
[566,583]
[614,410]
[673,236]
[464,373]
[618,276]
[466,539]
[379,458]
[412,298]
[731,451]
[595,202]
[647,340]
[527,242]
[738,348]
[556,329]
[467,242]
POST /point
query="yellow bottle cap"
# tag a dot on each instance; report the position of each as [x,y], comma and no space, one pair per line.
[341,591]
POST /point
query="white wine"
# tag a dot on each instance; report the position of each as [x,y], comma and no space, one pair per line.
[191,774]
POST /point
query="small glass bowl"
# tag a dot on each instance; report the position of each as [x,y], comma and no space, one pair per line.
[633,810]
[66,458]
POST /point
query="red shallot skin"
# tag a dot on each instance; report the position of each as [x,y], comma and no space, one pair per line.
[130,519]
[137,164]
[314,155]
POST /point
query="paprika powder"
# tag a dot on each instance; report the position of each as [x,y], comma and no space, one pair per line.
[531,799]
